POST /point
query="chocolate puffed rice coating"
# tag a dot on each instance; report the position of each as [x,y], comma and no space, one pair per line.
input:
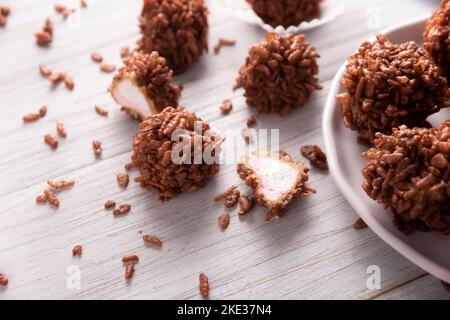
[388,85]
[177,29]
[409,172]
[279,74]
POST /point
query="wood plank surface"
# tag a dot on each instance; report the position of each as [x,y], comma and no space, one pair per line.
[311,253]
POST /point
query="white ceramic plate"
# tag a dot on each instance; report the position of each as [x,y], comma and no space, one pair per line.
[430,251]
[242,10]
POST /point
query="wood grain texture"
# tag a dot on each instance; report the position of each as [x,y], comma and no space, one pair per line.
[312,253]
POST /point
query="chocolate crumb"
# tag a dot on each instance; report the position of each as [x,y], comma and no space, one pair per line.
[77,250]
[110,204]
[62,184]
[224,220]
[3,21]
[446,285]
[68,81]
[125,52]
[83,3]
[246,135]
[226,106]
[129,271]
[251,121]
[31,117]
[44,71]
[61,130]
[97,146]
[129,166]
[56,78]
[108,68]
[246,205]
[316,156]
[359,224]
[230,197]
[122,210]
[204,285]
[42,198]
[100,111]
[130,258]
[45,36]
[51,198]
[42,111]
[96,57]
[3,280]
[152,240]
[223,42]
[122,179]
[5,11]
[51,141]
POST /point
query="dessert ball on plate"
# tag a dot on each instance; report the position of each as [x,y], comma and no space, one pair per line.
[175,152]
[279,74]
[177,29]
[144,85]
[387,85]
[436,38]
[286,12]
[409,172]
[276,178]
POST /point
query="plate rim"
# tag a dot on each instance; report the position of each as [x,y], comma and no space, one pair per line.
[345,188]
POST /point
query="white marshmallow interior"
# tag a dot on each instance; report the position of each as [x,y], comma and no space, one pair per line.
[130,96]
[277,177]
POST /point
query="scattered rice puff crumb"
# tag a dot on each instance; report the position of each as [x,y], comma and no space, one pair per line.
[152,240]
[68,81]
[51,141]
[204,285]
[251,121]
[77,250]
[44,37]
[3,280]
[224,220]
[61,130]
[122,179]
[316,156]
[246,134]
[44,70]
[230,197]
[125,52]
[130,258]
[226,106]
[359,224]
[122,210]
[108,68]
[51,198]
[129,271]
[61,184]
[276,178]
[129,166]
[246,205]
[96,57]
[100,111]
[42,198]
[221,43]
[32,117]
[446,285]
[97,147]
[110,204]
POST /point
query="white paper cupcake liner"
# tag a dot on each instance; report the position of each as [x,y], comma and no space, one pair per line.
[241,9]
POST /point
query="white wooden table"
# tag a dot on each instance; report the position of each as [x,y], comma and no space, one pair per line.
[311,253]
